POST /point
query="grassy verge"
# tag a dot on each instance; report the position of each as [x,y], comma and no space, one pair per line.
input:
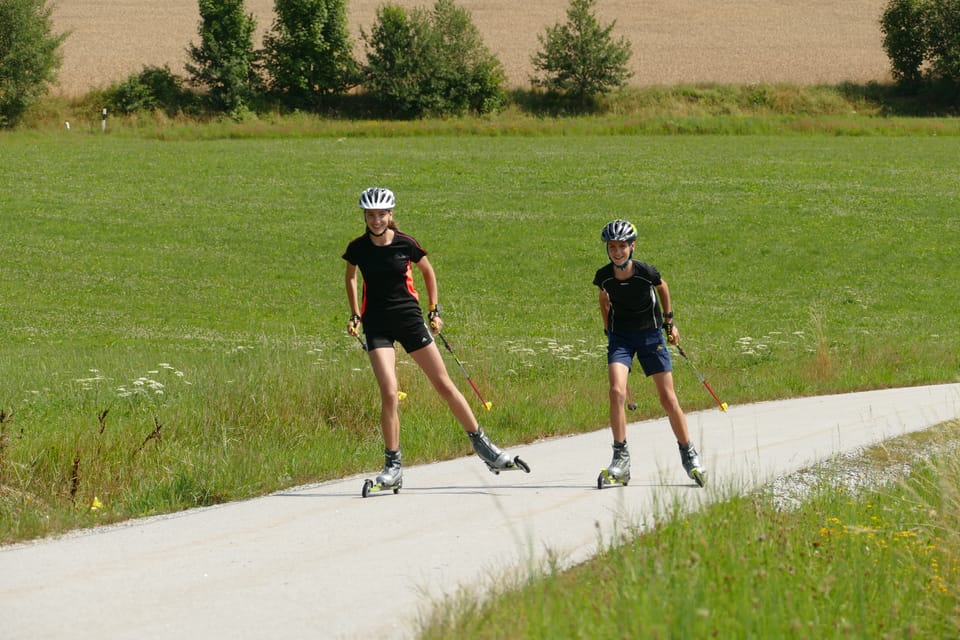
[845,561]
[758,109]
[173,309]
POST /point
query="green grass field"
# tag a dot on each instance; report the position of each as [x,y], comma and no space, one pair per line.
[172,324]
[172,312]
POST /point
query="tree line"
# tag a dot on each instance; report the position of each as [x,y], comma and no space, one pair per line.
[425,61]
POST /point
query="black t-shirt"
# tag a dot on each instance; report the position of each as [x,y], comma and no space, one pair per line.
[387,273]
[633,302]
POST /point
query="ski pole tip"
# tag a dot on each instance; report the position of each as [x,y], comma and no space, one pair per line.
[487,405]
[723,406]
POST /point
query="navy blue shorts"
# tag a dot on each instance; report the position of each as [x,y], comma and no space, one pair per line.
[650,348]
[407,328]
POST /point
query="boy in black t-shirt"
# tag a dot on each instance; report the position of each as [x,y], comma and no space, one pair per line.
[637,312]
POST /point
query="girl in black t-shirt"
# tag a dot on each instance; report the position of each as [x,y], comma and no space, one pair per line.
[389,310]
[637,311]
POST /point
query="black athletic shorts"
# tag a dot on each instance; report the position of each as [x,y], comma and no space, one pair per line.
[405,327]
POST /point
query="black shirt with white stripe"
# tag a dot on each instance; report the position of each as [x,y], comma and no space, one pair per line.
[634,305]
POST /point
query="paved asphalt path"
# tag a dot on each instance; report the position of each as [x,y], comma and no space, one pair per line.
[321,562]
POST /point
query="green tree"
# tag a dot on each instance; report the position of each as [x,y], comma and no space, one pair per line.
[29,56]
[392,75]
[943,38]
[431,63]
[922,40]
[904,40]
[225,61]
[580,58]
[308,51]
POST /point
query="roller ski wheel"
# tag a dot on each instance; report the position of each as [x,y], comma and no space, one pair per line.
[517,464]
[494,457]
[691,464]
[618,472]
[699,476]
[369,486]
[605,479]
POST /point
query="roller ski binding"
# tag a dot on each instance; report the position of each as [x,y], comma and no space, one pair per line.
[618,473]
[495,458]
[391,478]
[691,464]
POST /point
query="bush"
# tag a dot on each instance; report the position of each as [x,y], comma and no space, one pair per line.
[427,63]
[29,56]
[580,58]
[308,52]
[153,88]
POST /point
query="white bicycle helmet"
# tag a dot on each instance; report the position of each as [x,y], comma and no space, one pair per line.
[377,198]
[619,230]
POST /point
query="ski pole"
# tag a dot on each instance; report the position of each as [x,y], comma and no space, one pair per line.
[355,332]
[486,405]
[722,405]
[631,405]
[363,345]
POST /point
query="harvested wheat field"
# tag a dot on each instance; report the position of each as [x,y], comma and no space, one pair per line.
[674,41]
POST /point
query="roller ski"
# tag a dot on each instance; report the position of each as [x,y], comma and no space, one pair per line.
[390,479]
[618,473]
[495,458]
[691,464]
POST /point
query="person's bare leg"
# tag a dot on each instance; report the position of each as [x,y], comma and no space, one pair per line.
[671,405]
[431,362]
[617,374]
[384,363]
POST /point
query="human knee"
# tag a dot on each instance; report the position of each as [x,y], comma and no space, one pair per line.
[445,387]
[618,394]
[389,396]
[669,401]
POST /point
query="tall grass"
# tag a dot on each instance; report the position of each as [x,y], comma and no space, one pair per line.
[845,562]
[798,264]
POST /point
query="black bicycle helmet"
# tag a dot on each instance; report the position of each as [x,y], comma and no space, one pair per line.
[619,230]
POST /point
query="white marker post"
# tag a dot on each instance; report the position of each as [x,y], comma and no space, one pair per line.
[103,120]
